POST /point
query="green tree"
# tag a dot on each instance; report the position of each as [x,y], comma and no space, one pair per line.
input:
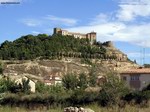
[147,65]
[41,87]
[1,68]
[70,81]
[6,85]
[147,88]
[83,82]
[32,47]
[112,90]
[135,61]
[25,85]
[92,77]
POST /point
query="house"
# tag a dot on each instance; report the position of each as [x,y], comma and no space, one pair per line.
[52,80]
[136,78]
[31,83]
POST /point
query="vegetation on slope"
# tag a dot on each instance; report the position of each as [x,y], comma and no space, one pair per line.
[56,46]
[1,68]
[112,93]
[95,107]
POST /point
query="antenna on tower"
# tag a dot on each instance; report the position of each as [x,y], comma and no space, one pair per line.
[143,55]
[144,48]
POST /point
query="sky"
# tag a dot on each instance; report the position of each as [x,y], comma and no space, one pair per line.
[125,22]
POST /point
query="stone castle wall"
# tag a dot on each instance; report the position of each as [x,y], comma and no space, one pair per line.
[91,36]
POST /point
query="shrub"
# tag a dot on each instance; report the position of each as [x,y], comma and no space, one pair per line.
[7,85]
[146,88]
[92,77]
[112,90]
[1,68]
[70,81]
[41,87]
[82,81]
[25,87]
[81,97]
[137,96]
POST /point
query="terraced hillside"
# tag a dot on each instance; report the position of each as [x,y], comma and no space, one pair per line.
[39,69]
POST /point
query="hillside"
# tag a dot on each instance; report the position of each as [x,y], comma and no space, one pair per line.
[40,56]
[41,68]
[31,47]
[56,47]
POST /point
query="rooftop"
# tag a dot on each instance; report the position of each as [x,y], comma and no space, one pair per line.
[137,71]
[77,33]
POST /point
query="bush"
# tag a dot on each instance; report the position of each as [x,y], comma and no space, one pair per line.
[146,88]
[1,68]
[70,81]
[6,85]
[82,81]
[137,96]
[112,90]
[41,87]
[81,97]
[92,77]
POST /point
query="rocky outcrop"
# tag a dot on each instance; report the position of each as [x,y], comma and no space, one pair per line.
[40,69]
[76,109]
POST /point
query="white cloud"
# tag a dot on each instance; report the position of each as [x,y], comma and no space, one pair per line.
[35,32]
[134,54]
[31,22]
[133,2]
[131,9]
[138,54]
[53,20]
[105,31]
[136,34]
[101,18]
[118,31]
[62,21]
[106,27]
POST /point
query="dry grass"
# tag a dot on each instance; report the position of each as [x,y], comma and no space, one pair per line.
[17,109]
[94,107]
[127,108]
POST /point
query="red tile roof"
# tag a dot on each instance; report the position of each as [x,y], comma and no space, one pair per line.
[47,81]
[137,71]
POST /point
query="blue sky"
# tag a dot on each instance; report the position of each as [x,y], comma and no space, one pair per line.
[125,22]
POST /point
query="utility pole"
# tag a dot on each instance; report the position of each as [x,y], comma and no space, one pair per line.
[143,56]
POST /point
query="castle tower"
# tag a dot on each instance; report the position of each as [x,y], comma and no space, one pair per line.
[92,37]
[57,30]
[109,44]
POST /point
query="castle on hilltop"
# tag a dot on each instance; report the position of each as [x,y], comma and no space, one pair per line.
[112,52]
[91,36]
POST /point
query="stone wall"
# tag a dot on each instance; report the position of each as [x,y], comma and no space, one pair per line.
[76,109]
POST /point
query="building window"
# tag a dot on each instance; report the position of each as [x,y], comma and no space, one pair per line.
[135,77]
[124,78]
